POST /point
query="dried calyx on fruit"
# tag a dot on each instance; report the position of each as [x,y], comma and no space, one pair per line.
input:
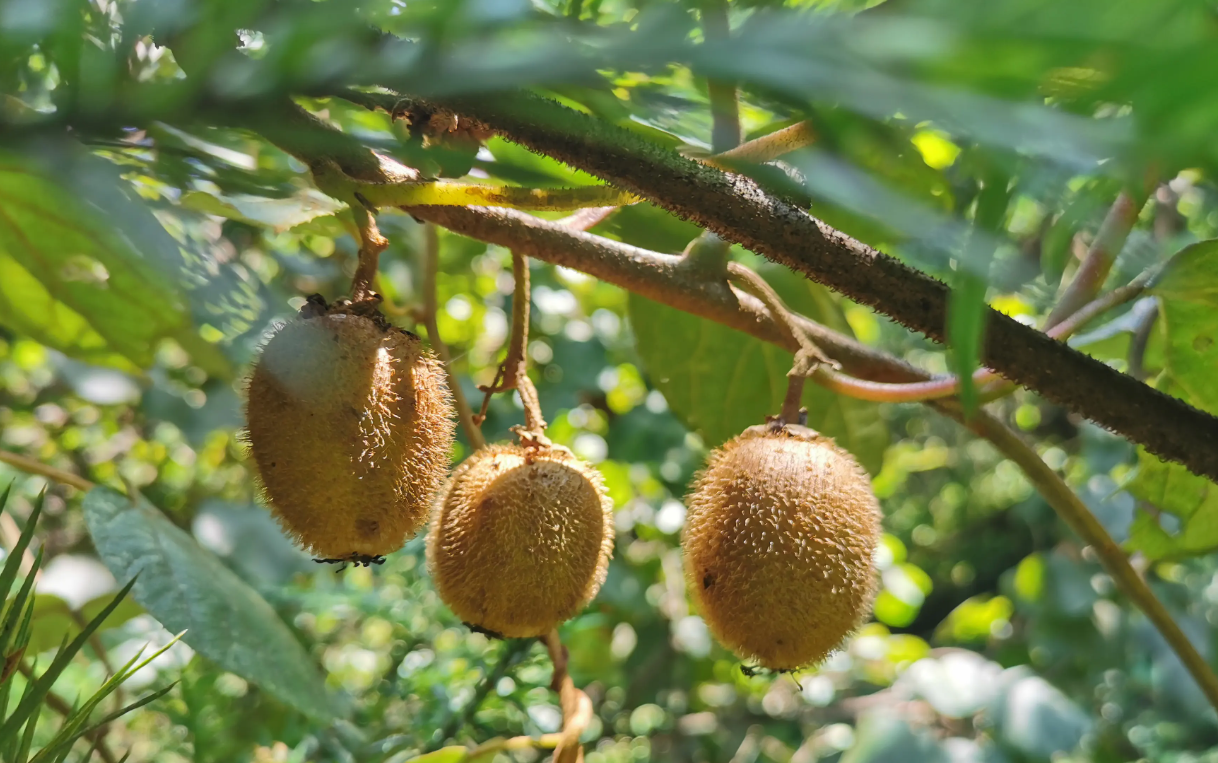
[521,538]
[779,545]
[350,423]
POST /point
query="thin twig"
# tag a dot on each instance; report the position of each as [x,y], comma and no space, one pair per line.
[1094,269]
[576,707]
[1076,514]
[766,148]
[372,243]
[431,266]
[949,386]
[807,359]
[585,219]
[514,372]
[516,365]
[30,466]
[516,362]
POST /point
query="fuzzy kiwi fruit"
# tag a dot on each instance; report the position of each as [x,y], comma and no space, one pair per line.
[350,424]
[779,539]
[521,538]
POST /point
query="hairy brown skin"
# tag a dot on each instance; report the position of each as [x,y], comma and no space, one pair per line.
[779,544]
[521,539]
[350,426]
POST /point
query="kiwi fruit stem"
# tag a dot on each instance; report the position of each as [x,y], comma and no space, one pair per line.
[576,706]
[513,373]
[808,358]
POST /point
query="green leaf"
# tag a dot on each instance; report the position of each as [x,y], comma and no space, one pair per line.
[13,563]
[1188,292]
[42,685]
[1173,489]
[1111,340]
[277,214]
[187,588]
[522,165]
[720,381]
[19,613]
[71,280]
[966,309]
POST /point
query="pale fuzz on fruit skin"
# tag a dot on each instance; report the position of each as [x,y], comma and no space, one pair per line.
[521,538]
[350,425]
[779,542]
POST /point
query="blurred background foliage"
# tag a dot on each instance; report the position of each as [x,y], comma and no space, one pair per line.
[146,252]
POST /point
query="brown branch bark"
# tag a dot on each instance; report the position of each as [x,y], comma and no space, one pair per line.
[739,210]
[1109,240]
[663,278]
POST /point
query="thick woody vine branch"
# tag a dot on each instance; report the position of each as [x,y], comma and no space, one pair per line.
[667,279]
[32,466]
[670,279]
[739,210]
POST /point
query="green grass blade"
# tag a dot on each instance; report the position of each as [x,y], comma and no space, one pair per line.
[13,563]
[62,658]
[20,612]
[27,741]
[114,716]
[73,727]
[88,755]
[10,744]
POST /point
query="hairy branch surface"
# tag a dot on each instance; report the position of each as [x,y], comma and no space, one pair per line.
[739,210]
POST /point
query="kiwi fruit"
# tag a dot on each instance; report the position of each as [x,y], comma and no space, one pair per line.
[779,544]
[350,425]
[521,538]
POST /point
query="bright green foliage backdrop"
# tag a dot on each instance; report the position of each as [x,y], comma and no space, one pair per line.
[145,254]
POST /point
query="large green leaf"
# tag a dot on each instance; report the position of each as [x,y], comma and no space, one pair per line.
[1188,293]
[720,381]
[1188,296]
[1173,489]
[187,588]
[966,310]
[72,280]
